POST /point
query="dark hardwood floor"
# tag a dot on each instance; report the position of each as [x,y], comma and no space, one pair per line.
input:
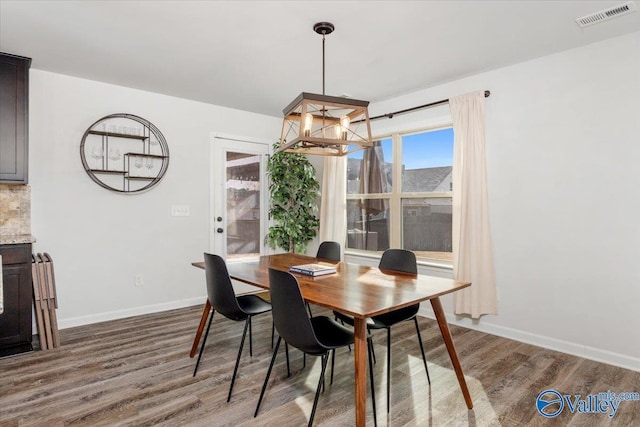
[137,372]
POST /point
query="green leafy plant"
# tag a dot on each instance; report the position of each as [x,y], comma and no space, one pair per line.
[294,191]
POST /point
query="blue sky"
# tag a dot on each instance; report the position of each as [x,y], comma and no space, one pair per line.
[422,150]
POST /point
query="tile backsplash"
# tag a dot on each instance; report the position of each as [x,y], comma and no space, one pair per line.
[15,210]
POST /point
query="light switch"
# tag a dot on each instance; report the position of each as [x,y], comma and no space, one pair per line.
[180,210]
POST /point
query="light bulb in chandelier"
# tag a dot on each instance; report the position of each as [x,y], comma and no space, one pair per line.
[345,122]
[308,124]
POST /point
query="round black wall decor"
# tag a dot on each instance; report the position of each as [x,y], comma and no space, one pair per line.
[124,153]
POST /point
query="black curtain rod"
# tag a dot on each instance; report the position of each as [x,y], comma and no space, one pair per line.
[419,107]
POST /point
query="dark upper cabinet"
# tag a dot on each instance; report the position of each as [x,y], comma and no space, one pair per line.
[14,119]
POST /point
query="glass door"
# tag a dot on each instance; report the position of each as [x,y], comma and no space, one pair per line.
[239,198]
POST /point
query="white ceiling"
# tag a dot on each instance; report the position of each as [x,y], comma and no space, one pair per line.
[259,55]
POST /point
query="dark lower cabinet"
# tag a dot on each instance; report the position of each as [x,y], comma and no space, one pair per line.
[17,299]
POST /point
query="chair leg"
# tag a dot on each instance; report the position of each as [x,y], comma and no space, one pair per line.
[342,322]
[204,341]
[235,369]
[266,380]
[325,357]
[373,392]
[309,309]
[201,325]
[373,352]
[424,359]
[250,337]
[304,355]
[333,360]
[388,367]
[286,351]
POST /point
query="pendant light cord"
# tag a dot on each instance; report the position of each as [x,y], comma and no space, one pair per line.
[323,34]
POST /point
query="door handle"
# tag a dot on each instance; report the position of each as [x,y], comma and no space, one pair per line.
[219,230]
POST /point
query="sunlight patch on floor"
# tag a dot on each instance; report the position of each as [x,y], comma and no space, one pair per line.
[443,403]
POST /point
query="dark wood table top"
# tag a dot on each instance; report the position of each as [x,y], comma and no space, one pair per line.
[358,290]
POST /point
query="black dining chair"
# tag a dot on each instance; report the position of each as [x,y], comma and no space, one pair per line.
[317,336]
[223,300]
[329,250]
[403,261]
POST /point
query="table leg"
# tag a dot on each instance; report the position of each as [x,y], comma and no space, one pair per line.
[359,358]
[448,342]
[203,321]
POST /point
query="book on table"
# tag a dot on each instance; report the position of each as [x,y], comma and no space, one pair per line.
[312,269]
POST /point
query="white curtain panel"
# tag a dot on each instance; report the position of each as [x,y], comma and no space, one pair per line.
[472,249]
[333,201]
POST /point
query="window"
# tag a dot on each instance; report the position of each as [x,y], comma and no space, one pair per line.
[399,194]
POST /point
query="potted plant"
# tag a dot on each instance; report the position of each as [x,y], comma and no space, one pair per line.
[294,191]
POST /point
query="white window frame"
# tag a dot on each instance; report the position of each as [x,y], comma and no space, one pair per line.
[396,195]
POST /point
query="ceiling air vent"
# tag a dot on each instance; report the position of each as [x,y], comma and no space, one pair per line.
[605,15]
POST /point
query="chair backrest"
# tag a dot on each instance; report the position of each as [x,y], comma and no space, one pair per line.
[329,250]
[399,260]
[404,261]
[219,288]
[290,313]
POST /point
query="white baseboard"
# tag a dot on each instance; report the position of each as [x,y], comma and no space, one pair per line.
[134,311]
[592,353]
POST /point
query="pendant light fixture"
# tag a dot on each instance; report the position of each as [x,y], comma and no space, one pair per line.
[325,125]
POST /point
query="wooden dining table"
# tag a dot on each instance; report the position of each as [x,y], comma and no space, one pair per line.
[362,292]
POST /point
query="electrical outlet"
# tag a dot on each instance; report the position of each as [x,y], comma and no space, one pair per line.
[138,280]
[180,210]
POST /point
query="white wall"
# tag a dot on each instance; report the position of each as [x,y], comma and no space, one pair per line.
[563,147]
[563,136]
[100,239]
